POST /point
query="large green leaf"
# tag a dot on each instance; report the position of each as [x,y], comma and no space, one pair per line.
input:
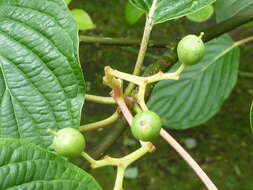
[170,9]
[251,117]
[228,8]
[41,82]
[24,166]
[202,89]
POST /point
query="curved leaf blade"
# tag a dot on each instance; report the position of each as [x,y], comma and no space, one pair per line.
[202,89]
[83,20]
[171,9]
[41,80]
[201,15]
[226,9]
[132,14]
[26,166]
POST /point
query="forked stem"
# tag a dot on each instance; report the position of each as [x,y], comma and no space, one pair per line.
[120,163]
[144,45]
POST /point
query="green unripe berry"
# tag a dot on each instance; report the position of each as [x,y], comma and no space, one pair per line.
[190,50]
[69,142]
[146,126]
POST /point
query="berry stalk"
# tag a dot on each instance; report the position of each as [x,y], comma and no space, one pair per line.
[191,162]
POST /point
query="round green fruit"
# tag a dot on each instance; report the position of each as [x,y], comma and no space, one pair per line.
[146,126]
[69,142]
[190,50]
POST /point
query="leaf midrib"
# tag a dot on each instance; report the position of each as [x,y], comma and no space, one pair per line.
[8,89]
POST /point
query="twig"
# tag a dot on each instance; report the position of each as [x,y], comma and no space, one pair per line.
[142,82]
[100,124]
[144,45]
[192,163]
[210,33]
[120,163]
[121,41]
[99,99]
[246,74]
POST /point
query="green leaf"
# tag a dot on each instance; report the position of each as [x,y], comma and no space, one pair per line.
[82,19]
[201,90]
[67,2]
[41,81]
[201,15]
[228,8]
[251,117]
[132,14]
[171,9]
[24,166]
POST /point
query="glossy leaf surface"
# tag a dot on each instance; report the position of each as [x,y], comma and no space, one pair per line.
[41,81]
[228,8]
[24,166]
[170,9]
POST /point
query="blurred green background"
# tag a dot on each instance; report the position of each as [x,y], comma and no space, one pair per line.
[223,146]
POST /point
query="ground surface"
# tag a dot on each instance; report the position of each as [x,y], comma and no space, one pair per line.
[224,145]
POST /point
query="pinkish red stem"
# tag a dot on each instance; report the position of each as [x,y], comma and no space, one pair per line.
[192,163]
[118,97]
[125,111]
[165,135]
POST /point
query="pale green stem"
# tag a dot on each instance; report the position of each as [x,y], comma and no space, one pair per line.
[142,82]
[125,76]
[99,99]
[137,108]
[107,161]
[52,132]
[127,160]
[100,124]
[119,178]
[88,158]
[201,35]
[246,74]
[166,76]
[124,161]
[144,45]
[141,97]
[147,80]
[120,163]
